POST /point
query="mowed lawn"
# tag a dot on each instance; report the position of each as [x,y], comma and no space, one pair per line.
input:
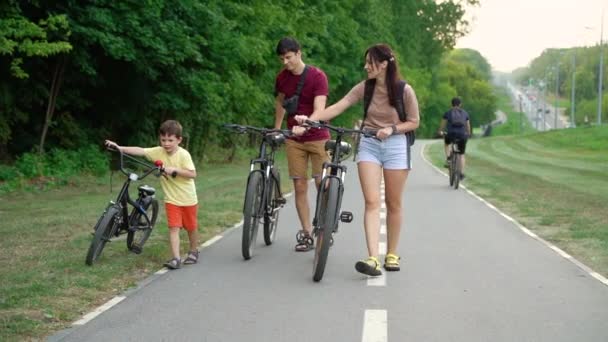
[555,183]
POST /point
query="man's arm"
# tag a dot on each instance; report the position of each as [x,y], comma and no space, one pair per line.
[279,111]
[469,128]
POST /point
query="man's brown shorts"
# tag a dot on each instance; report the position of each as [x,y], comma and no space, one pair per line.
[298,154]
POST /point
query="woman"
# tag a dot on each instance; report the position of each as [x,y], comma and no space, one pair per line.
[386,155]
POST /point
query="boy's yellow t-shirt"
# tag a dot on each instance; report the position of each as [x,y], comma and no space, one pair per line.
[180,191]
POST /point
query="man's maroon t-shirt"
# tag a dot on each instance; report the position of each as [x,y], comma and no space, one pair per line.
[315,84]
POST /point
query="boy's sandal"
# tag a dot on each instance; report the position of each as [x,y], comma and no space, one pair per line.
[391,262]
[192,258]
[173,264]
[305,241]
[369,266]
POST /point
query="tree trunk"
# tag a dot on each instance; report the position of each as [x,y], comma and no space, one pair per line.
[54,92]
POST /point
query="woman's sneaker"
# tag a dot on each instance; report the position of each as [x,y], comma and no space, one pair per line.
[369,266]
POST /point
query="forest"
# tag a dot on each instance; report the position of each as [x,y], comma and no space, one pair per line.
[73,73]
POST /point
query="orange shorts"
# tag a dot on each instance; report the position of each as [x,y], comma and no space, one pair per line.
[181,217]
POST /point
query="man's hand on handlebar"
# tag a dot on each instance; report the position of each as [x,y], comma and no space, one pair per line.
[299,130]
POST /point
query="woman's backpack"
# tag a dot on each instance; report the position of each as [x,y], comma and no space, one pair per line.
[368,93]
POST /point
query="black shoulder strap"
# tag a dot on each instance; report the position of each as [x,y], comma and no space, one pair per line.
[399,105]
[301,81]
[368,93]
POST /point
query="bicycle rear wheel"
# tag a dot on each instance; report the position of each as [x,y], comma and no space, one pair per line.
[104,229]
[328,209]
[251,213]
[139,228]
[271,220]
[457,171]
[452,169]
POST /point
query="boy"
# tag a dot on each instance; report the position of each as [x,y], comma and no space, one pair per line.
[181,202]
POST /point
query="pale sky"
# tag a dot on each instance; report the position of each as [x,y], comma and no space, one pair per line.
[511,33]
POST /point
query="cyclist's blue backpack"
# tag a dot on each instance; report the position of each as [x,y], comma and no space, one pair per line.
[399,105]
[458,118]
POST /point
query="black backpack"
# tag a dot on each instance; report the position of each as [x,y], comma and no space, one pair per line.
[457,118]
[368,93]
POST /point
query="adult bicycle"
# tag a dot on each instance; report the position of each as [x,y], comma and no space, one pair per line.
[454,163]
[329,195]
[263,195]
[117,219]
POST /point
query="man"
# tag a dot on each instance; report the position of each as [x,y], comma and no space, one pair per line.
[311,144]
[458,129]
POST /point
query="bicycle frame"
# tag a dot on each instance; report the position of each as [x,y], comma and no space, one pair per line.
[124,199]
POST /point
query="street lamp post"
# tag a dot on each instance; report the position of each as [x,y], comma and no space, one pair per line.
[572,124]
[601,74]
[556,95]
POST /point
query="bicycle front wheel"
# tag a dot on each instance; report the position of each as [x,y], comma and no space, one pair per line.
[139,228]
[271,219]
[104,229]
[328,210]
[251,213]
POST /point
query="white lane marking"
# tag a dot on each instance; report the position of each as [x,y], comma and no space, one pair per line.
[162,271]
[375,326]
[381,248]
[527,231]
[211,241]
[379,280]
[383,229]
[99,310]
[382,205]
[382,215]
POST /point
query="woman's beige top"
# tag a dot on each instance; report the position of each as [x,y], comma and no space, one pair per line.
[380,113]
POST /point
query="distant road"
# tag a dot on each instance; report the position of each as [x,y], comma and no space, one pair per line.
[541,114]
[468,274]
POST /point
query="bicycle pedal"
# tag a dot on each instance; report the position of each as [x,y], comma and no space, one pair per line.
[346,216]
[280,201]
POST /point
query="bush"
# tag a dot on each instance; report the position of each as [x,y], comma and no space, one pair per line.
[58,167]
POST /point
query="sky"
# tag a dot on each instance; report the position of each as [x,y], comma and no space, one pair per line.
[511,33]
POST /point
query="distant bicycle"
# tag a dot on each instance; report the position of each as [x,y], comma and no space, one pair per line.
[454,163]
[263,195]
[116,219]
[329,195]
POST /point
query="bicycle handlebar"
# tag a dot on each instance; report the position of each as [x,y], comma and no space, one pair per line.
[341,130]
[263,131]
[157,166]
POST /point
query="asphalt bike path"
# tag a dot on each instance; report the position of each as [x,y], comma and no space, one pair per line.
[468,274]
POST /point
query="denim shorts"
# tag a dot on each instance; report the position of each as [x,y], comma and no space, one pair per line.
[391,153]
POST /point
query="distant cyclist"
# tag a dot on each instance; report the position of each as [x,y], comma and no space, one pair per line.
[458,125]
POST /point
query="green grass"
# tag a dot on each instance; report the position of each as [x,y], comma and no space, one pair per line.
[44,283]
[554,183]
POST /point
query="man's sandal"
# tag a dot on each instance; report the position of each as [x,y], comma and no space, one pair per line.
[173,264]
[192,258]
[369,266]
[305,241]
[391,262]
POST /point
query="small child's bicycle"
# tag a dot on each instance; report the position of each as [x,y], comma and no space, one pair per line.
[116,219]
